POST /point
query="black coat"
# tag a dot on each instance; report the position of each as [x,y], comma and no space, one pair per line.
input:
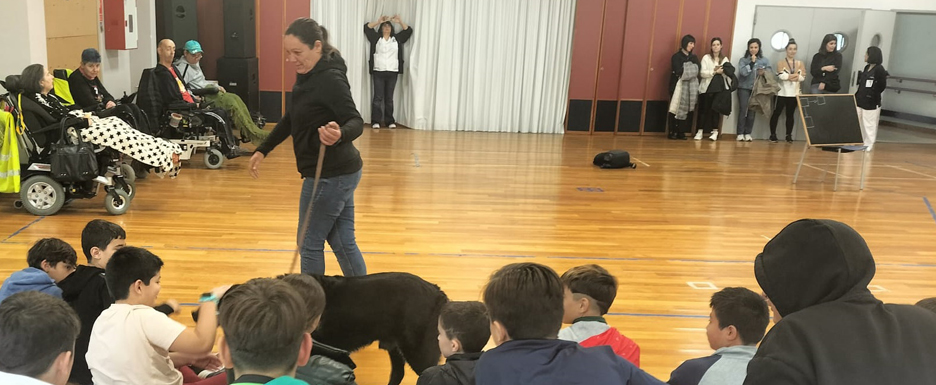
[869,98]
[373,36]
[320,96]
[834,331]
[831,79]
[721,101]
[677,61]
[89,94]
[458,370]
[167,87]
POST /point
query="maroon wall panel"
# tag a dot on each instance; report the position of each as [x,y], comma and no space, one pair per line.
[665,44]
[721,22]
[210,35]
[585,45]
[270,47]
[637,33]
[609,68]
[293,9]
[693,23]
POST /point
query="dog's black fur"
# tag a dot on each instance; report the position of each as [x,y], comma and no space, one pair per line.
[400,310]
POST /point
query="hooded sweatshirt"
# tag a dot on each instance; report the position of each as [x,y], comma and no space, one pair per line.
[459,369]
[556,362]
[834,331]
[29,279]
[320,96]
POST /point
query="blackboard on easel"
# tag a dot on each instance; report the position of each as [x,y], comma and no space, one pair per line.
[830,120]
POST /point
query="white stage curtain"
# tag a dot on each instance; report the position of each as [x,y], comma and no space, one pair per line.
[479,65]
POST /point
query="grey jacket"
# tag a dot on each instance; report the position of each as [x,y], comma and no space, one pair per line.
[728,366]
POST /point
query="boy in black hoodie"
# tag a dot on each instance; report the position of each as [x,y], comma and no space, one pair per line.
[834,331]
[464,329]
[86,291]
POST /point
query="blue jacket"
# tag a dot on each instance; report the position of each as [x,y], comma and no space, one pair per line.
[747,75]
[556,362]
[29,279]
[728,366]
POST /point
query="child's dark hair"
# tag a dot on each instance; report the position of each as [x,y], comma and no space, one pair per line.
[744,309]
[53,251]
[35,328]
[928,304]
[311,292]
[593,281]
[309,31]
[128,265]
[527,299]
[99,233]
[468,323]
[264,321]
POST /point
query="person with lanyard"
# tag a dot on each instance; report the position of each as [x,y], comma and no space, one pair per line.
[321,117]
[825,67]
[386,65]
[792,72]
[89,93]
[216,95]
[871,84]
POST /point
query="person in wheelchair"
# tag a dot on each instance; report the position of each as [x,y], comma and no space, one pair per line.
[175,95]
[216,95]
[35,85]
[89,93]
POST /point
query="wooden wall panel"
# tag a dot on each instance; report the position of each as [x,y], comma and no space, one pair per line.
[585,47]
[210,35]
[665,44]
[636,54]
[612,43]
[71,26]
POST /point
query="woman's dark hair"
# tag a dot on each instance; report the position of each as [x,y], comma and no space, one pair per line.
[309,31]
[791,42]
[31,77]
[875,56]
[721,53]
[686,40]
[747,48]
[392,30]
[825,40]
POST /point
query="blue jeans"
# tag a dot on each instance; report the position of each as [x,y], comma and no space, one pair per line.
[332,221]
[745,116]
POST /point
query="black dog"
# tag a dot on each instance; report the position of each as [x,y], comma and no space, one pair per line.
[399,310]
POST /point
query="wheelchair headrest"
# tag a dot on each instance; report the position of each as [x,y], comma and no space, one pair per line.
[12,84]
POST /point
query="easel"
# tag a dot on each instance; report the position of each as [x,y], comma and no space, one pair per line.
[839,148]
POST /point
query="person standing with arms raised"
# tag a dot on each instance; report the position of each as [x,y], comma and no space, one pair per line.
[322,113]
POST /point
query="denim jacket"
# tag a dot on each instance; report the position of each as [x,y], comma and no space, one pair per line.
[746,74]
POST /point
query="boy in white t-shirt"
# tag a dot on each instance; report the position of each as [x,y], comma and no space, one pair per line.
[132,343]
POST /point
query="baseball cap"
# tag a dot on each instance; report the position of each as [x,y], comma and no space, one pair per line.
[192,46]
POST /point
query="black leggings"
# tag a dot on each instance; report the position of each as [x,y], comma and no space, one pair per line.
[783,102]
[708,118]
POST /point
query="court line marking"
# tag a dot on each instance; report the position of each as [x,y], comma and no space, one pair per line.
[15,233]
[913,172]
[641,162]
[415,160]
[766,237]
[823,170]
[930,207]
[702,285]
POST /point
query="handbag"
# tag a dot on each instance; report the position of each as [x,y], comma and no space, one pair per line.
[73,162]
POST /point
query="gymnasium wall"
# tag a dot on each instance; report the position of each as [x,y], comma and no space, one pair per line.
[621,59]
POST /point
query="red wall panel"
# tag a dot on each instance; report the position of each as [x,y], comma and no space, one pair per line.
[293,9]
[637,33]
[665,44]
[612,41]
[721,22]
[270,44]
[693,23]
[210,35]
[585,45]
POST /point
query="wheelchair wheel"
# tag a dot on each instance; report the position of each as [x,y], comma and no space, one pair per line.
[127,172]
[213,158]
[42,195]
[117,202]
[125,185]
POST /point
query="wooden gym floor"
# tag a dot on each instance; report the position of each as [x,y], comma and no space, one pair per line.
[453,207]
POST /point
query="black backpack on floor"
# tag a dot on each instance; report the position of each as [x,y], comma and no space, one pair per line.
[614,159]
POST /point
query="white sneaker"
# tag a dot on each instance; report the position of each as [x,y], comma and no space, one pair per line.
[740,137]
[392,126]
[748,138]
[375,126]
[698,135]
[714,135]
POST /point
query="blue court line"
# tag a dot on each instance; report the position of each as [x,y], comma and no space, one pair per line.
[21,229]
[930,207]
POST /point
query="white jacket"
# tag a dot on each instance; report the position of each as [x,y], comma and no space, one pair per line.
[707,71]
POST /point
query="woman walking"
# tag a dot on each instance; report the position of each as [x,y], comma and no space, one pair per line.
[322,113]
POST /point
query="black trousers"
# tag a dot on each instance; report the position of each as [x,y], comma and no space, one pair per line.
[679,127]
[783,103]
[708,120]
[382,102]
